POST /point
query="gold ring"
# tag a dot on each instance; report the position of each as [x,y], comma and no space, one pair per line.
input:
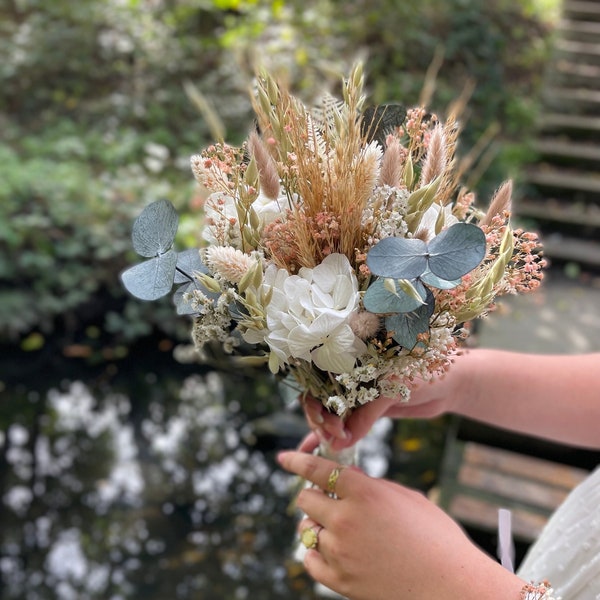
[333,478]
[310,537]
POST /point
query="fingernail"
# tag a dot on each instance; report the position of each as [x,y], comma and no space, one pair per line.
[346,435]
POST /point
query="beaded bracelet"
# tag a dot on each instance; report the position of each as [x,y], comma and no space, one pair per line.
[541,591]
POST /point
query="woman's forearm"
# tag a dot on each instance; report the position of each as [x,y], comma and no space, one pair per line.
[551,396]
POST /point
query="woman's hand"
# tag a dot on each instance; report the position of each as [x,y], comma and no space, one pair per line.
[382,541]
[427,400]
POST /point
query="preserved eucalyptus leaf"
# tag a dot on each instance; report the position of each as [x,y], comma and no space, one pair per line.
[407,326]
[399,258]
[153,278]
[188,262]
[432,280]
[155,228]
[381,300]
[456,251]
[180,297]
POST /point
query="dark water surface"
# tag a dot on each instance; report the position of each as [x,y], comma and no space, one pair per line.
[141,479]
[146,478]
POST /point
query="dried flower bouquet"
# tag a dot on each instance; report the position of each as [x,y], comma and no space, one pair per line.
[340,246]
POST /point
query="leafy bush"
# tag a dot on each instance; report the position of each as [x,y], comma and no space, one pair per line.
[96,122]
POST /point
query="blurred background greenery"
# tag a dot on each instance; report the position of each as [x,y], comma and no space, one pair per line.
[96,123]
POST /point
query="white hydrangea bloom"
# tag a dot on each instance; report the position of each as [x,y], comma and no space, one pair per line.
[307,317]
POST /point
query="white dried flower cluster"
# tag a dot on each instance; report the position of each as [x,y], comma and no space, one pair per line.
[307,317]
[215,323]
[198,301]
[385,212]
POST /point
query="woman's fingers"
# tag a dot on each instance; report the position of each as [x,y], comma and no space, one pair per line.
[329,426]
[326,474]
[319,569]
[313,410]
[309,443]
[359,423]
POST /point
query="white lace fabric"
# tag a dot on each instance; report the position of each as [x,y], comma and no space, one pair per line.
[567,553]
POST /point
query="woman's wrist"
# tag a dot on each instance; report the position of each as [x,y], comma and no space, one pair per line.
[540,591]
[468,379]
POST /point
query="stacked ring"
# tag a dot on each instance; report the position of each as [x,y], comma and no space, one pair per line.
[310,537]
[333,478]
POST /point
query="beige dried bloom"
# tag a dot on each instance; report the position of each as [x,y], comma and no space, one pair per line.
[267,169]
[365,325]
[229,263]
[391,165]
[501,203]
[435,159]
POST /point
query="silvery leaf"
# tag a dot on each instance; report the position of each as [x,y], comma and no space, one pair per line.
[434,281]
[456,251]
[188,262]
[407,326]
[154,230]
[381,300]
[398,258]
[153,278]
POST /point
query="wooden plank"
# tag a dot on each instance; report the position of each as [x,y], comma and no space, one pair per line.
[561,212]
[557,178]
[508,487]
[577,26]
[483,514]
[585,8]
[550,146]
[520,465]
[577,250]
[569,121]
[582,48]
[477,480]
[572,99]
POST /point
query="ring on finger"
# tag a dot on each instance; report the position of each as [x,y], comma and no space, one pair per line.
[310,537]
[333,478]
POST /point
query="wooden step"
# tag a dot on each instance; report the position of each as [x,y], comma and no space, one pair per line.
[572,99]
[563,148]
[559,212]
[477,480]
[581,10]
[575,124]
[587,52]
[583,31]
[572,249]
[565,180]
[575,74]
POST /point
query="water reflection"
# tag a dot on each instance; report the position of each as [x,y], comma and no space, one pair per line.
[107,497]
[162,488]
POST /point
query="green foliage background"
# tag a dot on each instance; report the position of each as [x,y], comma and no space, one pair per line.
[96,122]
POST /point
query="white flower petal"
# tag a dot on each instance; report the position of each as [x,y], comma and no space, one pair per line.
[301,341]
[325,274]
[327,359]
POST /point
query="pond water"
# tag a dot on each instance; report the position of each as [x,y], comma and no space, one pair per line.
[158,481]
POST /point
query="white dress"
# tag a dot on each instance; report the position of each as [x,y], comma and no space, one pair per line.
[567,553]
